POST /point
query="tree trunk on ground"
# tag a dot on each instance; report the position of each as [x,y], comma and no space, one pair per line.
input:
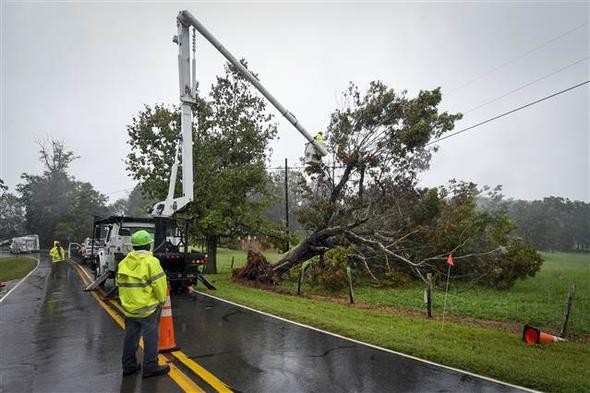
[211,266]
[316,244]
[301,253]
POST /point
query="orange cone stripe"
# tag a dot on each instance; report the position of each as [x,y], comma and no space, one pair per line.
[166,312]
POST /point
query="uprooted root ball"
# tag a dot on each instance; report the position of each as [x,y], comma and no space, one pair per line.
[257,270]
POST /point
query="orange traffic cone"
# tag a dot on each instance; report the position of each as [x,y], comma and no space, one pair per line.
[167,342]
[532,335]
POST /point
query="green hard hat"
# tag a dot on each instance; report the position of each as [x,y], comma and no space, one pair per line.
[141,238]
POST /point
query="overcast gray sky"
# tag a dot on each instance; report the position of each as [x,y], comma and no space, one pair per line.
[80,71]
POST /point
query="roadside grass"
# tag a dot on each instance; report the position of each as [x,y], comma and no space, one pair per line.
[494,353]
[12,268]
[489,351]
[538,301]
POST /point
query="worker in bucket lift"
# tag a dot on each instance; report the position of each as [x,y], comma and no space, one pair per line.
[319,137]
[57,253]
[142,291]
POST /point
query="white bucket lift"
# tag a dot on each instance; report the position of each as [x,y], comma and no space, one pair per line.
[312,155]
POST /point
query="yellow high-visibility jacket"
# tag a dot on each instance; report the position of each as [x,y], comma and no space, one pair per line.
[142,284]
[57,254]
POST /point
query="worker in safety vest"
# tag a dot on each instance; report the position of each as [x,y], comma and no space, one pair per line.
[142,291]
[319,137]
[57,253]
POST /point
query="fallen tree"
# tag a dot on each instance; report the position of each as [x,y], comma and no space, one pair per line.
[380,141]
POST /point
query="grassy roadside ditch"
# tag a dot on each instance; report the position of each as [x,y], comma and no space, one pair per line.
[487,350]
[12,268]
[538,301]
[490,352]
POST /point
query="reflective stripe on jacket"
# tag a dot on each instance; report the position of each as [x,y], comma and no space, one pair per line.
[57,254]
[142,284]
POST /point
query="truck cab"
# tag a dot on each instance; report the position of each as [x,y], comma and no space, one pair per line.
[170,246]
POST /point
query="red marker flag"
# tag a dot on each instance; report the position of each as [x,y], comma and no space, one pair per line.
[450,261]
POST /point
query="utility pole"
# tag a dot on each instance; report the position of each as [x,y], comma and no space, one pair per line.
[286,205]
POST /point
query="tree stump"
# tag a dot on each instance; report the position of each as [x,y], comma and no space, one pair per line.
[257,270]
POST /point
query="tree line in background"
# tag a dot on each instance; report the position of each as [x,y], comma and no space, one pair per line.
[55,205]
[550,224]
[369,214]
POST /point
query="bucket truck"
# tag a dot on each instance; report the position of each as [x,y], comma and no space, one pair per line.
[181,267]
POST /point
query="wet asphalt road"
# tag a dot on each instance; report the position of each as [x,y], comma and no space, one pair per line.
[56,338]
[252,352]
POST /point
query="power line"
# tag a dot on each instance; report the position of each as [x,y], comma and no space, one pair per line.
[453,90]
[483,122]
[528,84]
[509,112]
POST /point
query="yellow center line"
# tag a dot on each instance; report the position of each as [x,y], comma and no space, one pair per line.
[202,372]
[185,383]
[117,305]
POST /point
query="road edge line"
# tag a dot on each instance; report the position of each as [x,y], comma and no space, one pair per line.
[22,280]
[373,346]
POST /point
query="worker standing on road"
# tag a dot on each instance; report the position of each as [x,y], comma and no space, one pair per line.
[57,253]
[142,291]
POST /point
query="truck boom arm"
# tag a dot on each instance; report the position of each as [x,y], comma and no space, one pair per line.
[186,18]
[169,206]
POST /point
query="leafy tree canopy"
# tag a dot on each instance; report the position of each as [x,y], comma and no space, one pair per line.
[12,222]
[57,206]
[230,146]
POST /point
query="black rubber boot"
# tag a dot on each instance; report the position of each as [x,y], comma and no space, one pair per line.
[161,370]
[132,370]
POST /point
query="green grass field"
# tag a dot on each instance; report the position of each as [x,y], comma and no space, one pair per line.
[538,301]
[225,255]
[15,267]
[486,350]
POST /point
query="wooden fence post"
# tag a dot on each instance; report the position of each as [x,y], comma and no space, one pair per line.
[349,278]
[568,309]
[300,281]
[429,294]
